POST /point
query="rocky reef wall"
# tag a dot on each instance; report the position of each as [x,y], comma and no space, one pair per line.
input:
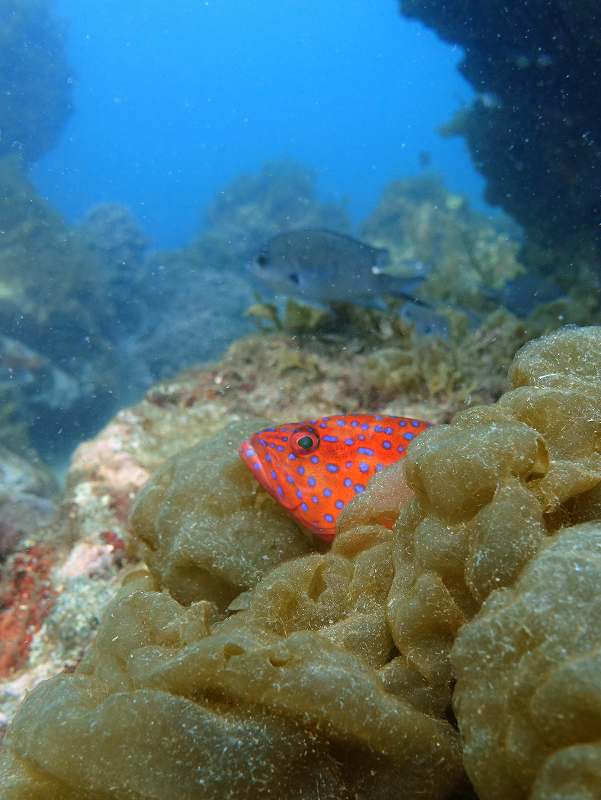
[534,129]
[35,79]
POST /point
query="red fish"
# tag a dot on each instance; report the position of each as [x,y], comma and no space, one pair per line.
[315,467]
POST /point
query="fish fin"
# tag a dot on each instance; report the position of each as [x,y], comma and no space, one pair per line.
[404,288]
[382,260]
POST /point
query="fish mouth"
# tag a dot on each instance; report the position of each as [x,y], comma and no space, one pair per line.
[249,455]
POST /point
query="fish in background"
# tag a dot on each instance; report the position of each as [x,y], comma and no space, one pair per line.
[521,295]
[317,265]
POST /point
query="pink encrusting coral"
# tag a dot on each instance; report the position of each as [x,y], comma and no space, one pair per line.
[27,597]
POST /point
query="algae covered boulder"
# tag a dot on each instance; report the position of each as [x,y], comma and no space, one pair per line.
[331,675]
[528,673]
[206,531]
[283,699]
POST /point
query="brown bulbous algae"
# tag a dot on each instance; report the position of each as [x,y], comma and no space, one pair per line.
[294,695]
[330,674]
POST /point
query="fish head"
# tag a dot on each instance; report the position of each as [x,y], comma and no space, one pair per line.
[277,265]
[314,468]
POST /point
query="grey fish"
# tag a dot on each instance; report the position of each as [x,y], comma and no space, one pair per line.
[521,295]
[323,266]
[425,320]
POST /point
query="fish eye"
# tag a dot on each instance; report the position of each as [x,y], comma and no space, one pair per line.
[262,260]
[305,441]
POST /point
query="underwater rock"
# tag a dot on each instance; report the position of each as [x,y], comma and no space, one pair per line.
[27,499]
[534,127]
[112,232]
[289,689]
[490,488]
[51,305]
[192,313]
[331,674]
[35,80]
[200,511]
[26,598]
[528,695]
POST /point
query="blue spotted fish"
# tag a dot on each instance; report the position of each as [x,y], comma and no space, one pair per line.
[315,467]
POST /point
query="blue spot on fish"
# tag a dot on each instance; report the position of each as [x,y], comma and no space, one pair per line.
[312,481]
[291,457]
[304,507]
[328,518]
[348,482]
[332,467]
[415,423]
[408,436]
[330,438]
[386,444]
[349,441]
[301,470]
[339,504]
[365,451]
[359,487]
[314,498]
[315,459]
[363,467]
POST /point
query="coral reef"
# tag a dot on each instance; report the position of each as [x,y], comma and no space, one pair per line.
[255,207]
[206,287]
[331,674]
[533,129]
[59,364]
[418,220]
[26,598]
[27,495]
[35,81]
[112,232]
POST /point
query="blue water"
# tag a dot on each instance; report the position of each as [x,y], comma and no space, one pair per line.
[173,100]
